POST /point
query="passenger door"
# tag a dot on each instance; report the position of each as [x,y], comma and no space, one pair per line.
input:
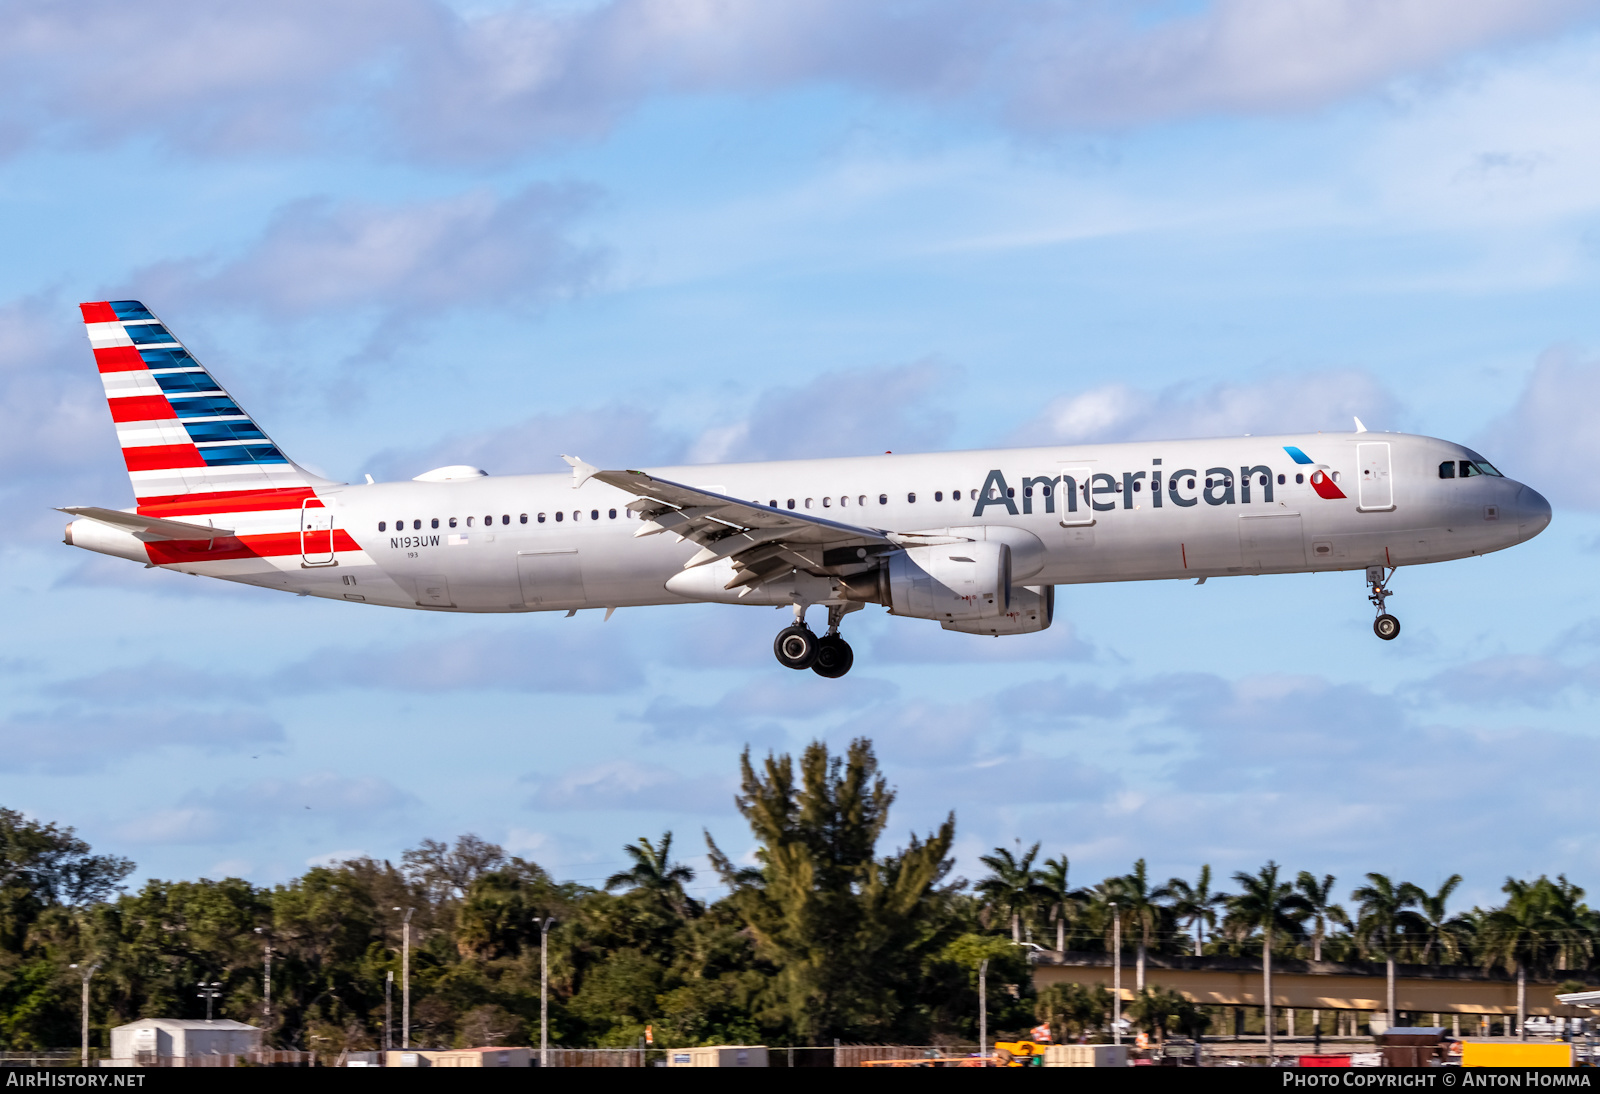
[1374,484]
[316,533]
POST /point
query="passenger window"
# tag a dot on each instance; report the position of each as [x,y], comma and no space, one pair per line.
[1138,487]
[883,499]
[436,522]
[1191,486]
[938,495]
[827,503]
[383,525]
[1298,479]
[1263,481]
[541,518]
[956,495]
[773,504]
[594,514]
[1336,476]
[452,522]
[416,526]
[1281,479]
[808,503]
[488,520]
[523,519]
[505,518]
[559,517]
[1208,483]
[1447,469]
[791,503]
[861,500]
[912,498]
[613,514]
[1011,491]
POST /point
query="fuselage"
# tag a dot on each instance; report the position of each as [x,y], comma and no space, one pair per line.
[1072,514]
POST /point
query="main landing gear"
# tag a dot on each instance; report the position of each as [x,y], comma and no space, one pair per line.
[1386,626]
[798,648]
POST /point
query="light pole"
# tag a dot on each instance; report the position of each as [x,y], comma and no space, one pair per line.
[208,992]
[983,1008]
[544,991]
[405,982]
[388,1020]
[1116,975]
[84,1007]
[266,985]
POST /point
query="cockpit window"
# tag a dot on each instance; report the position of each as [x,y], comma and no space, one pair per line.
[1489,469]
[1469,469]
[1447,469]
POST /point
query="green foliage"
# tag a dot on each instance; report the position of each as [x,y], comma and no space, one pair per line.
[828,935]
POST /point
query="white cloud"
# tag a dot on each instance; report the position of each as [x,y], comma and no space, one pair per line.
[630,785]
[1299,403]
[1551,438]
[474,249]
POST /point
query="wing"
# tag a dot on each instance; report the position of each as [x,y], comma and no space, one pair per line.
[147,528]
[763,543]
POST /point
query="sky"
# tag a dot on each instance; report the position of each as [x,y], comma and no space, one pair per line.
[419,233]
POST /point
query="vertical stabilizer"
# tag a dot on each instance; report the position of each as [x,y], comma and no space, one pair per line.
[181,433]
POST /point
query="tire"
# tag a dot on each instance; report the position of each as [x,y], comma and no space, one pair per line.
[1386,627]
[834,657]
[795,647]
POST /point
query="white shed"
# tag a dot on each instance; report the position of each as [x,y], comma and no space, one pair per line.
[182,1037]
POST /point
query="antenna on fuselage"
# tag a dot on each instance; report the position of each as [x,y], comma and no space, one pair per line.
[1359,427]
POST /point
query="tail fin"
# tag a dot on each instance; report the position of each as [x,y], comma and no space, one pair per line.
[181,432]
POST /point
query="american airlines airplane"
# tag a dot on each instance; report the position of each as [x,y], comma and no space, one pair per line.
[976,541]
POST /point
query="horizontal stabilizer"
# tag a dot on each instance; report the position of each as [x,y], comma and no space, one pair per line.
[149,528]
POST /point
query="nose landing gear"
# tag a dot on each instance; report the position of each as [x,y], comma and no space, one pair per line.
[1386,626]
[798,648]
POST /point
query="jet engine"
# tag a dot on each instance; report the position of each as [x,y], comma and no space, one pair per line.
[953,581]
[1032,608]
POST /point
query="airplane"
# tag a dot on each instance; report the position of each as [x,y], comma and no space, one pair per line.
[976,541]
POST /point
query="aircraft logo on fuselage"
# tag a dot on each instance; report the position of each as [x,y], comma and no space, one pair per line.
[1320,480]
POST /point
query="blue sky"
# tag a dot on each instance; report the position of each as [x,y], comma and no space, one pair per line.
[644,231]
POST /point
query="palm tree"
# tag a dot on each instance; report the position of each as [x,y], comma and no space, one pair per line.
[1137,904]
[1514,935]
[654,872]
[1054,878]
[1196,905]
[1381,919]
[1573,943]
[1435,927]
[1321,908]
[1014,887]
[1272,907]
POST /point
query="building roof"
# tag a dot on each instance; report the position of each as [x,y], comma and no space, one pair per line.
[1581,999]
[189,1024]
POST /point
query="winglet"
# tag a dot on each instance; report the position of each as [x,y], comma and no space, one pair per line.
[1359,427]
[581,472]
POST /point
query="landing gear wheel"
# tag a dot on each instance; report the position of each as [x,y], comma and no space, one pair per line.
[834,657]
[1386,627]
[795,647]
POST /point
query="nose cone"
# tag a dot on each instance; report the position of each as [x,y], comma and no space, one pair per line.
[1533,513]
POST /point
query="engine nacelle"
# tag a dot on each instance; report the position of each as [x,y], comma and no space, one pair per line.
[1032,608]
[951,582]
[92,535]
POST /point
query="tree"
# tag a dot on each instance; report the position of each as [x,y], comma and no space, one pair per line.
[1434,927]
[1521,933]
[1196,905]
[446,872]
[1138,909]
[1013,887]
[1272,907]
[1073,1009]
[1320,908]
[654,872]
[1054,878]
[845,931]
[1381,919]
